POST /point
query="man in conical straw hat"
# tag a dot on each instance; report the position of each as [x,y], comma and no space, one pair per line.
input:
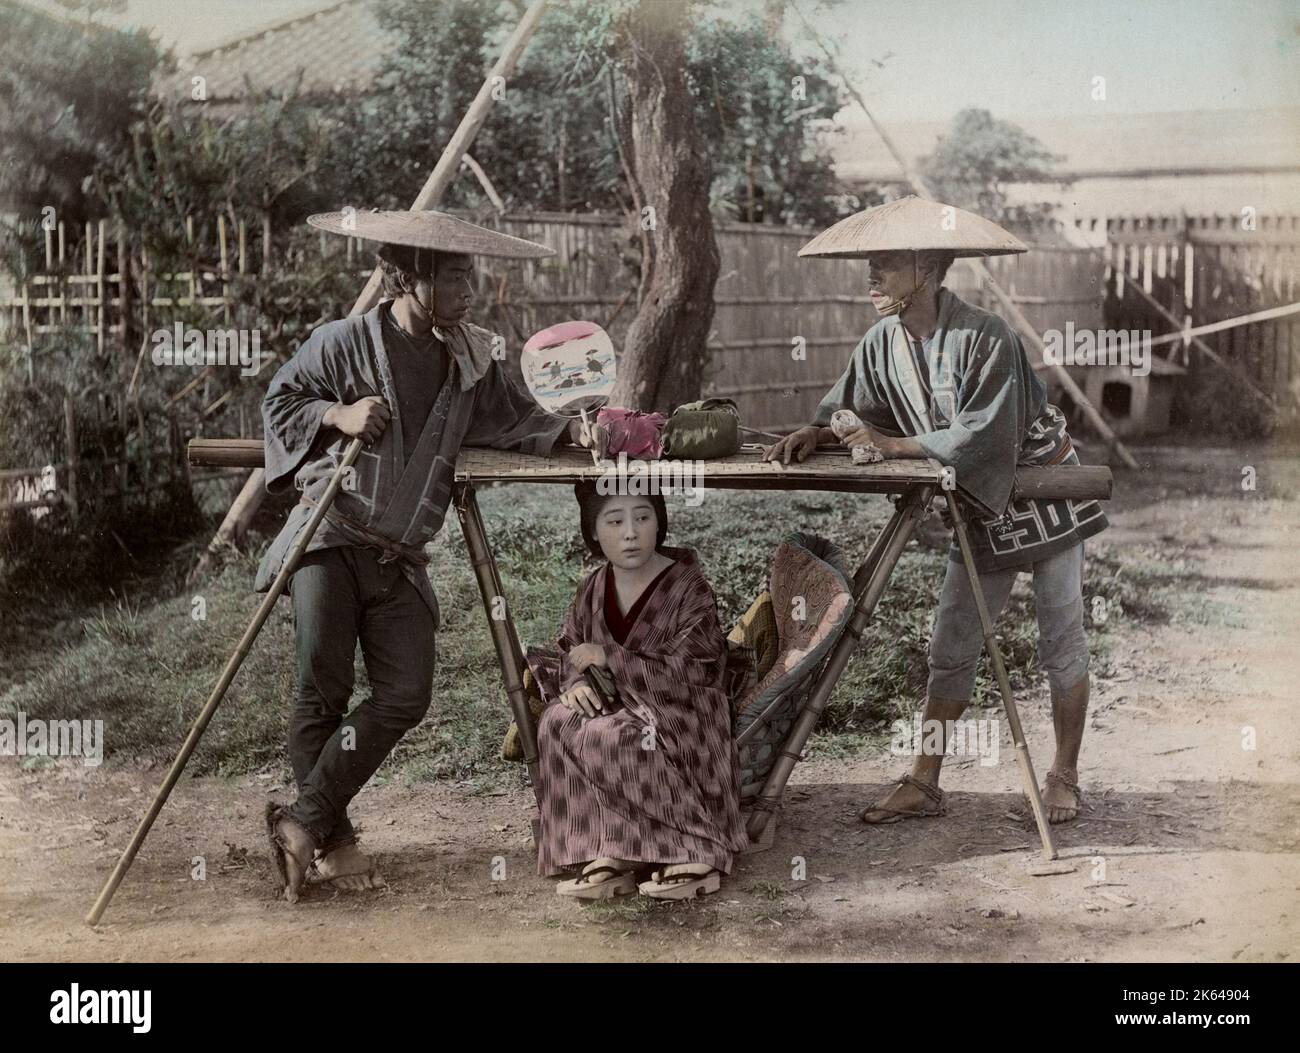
[416,381]
[937,377]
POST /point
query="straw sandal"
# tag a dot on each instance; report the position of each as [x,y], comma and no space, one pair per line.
[938,798]
[623,883]
[279,850]
[315,877]
[680,886]
[1054,777]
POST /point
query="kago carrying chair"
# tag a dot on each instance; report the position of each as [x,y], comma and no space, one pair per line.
[784,638]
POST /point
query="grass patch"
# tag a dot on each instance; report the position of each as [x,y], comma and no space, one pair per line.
[144,665]
[768,890]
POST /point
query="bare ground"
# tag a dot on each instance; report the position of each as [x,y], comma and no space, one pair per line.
[1188,850]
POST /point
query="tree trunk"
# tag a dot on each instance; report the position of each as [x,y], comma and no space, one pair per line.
[666,351]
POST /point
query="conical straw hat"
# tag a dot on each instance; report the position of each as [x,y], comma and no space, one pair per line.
[429,230]
[913,224]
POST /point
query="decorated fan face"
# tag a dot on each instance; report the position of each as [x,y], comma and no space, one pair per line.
[569,368]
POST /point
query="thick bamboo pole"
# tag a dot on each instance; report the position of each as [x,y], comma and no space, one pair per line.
[505,637]
[1074,481]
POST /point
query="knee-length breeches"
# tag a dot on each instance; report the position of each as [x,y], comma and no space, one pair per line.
[958,639]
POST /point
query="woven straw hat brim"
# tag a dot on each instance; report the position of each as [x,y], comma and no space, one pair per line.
[913,224]
[429,230]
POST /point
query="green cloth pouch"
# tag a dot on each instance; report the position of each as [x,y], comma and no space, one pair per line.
[700,430]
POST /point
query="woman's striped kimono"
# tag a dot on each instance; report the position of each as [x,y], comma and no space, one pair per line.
[656,781]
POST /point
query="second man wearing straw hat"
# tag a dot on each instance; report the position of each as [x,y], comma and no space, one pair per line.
[937,377]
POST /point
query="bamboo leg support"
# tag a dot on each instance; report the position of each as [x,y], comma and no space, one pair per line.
[1004,684]
[869,584]
[505,637]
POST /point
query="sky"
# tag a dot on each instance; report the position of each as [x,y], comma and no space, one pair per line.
[1014,57]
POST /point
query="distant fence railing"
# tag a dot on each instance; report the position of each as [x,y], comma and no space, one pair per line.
[1205,269]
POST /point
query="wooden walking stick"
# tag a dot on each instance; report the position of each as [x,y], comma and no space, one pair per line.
[1000,672]
[223,683]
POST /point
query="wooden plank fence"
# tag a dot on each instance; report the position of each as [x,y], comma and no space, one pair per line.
[1207,269]
[783,327]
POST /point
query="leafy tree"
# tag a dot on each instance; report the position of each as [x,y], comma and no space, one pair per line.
[262,165]
[978,156]
[551,141]
[757,109]
[385,139]
[70,90]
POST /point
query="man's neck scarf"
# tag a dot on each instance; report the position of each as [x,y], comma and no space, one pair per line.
[469,345]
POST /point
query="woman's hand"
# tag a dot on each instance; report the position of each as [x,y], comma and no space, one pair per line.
[586,654]
[582,699]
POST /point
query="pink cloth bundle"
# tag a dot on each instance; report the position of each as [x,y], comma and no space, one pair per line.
[632,432]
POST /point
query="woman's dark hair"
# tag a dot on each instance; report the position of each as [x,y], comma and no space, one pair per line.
[590,503]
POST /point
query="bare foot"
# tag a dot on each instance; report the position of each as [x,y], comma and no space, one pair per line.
[1061,797]
[349,869]
[298,846]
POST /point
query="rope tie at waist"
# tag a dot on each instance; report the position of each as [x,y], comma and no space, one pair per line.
[392,550]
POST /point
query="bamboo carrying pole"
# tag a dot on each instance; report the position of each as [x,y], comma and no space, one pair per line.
[1017,316]
[219,691]
[442,176]
[1080,482]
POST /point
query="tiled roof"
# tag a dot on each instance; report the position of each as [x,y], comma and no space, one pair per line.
[337,46]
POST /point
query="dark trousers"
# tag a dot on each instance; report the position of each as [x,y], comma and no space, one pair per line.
[342,596]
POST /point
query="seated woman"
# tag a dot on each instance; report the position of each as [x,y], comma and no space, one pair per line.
[646,784]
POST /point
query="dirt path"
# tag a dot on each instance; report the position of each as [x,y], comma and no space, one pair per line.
[1197,836]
